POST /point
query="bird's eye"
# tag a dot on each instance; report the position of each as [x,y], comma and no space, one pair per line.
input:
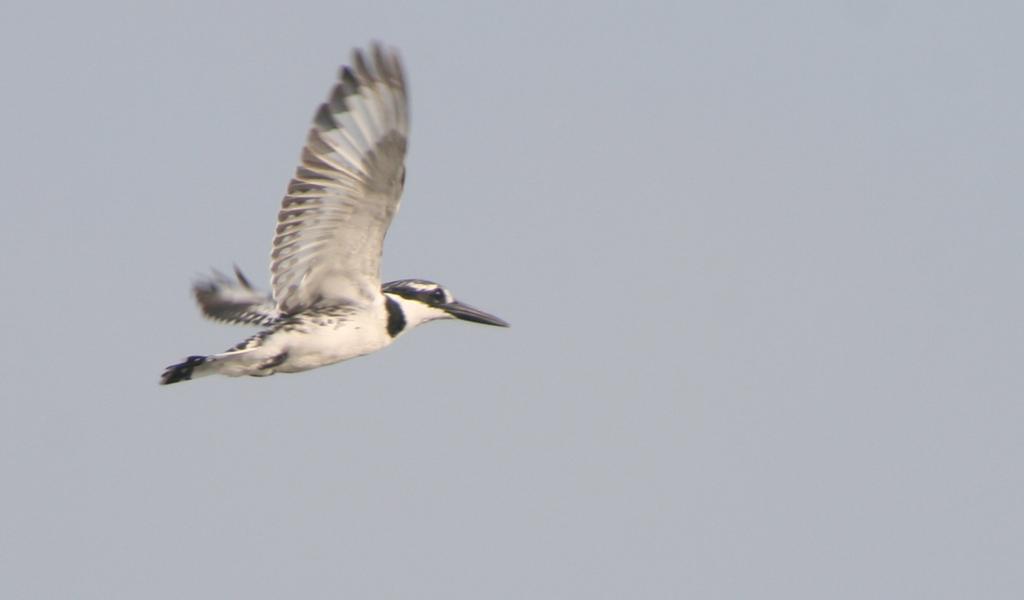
[438,295]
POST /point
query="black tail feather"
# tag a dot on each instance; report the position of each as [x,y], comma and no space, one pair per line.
[181,371]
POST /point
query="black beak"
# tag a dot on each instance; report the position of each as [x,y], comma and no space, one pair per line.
[468,313]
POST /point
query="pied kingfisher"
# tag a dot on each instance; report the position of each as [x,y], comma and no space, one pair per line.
[328,304]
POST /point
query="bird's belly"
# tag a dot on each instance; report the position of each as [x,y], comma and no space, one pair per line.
[316,349]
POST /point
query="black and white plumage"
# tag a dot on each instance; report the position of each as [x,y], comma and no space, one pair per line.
[234,301]
[327,303]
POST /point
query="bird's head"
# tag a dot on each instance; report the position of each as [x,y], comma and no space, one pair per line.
[423,301]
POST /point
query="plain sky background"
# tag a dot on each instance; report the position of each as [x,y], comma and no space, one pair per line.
[763,263]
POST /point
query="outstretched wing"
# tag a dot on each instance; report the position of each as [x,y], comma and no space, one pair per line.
[233,301]
[332,223]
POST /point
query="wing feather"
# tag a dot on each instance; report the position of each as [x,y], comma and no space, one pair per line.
[233,301]
[340,203]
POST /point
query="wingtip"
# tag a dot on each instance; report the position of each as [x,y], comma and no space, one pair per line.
[242,279]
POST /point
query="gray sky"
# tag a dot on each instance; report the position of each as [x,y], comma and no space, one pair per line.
[762,263]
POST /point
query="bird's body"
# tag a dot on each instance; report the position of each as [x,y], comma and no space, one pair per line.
[328,304]
[303,341]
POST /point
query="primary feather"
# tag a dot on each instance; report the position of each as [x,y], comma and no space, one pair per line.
[340,203]
[233,300]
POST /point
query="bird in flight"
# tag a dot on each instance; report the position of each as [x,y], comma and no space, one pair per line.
[327,303]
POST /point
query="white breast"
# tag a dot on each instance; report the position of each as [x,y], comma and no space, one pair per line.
[316,340]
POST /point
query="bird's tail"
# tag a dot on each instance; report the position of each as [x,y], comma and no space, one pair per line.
[193,366]
[234,363]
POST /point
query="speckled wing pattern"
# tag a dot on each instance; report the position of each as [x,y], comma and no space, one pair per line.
[332,223]
[234,301]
